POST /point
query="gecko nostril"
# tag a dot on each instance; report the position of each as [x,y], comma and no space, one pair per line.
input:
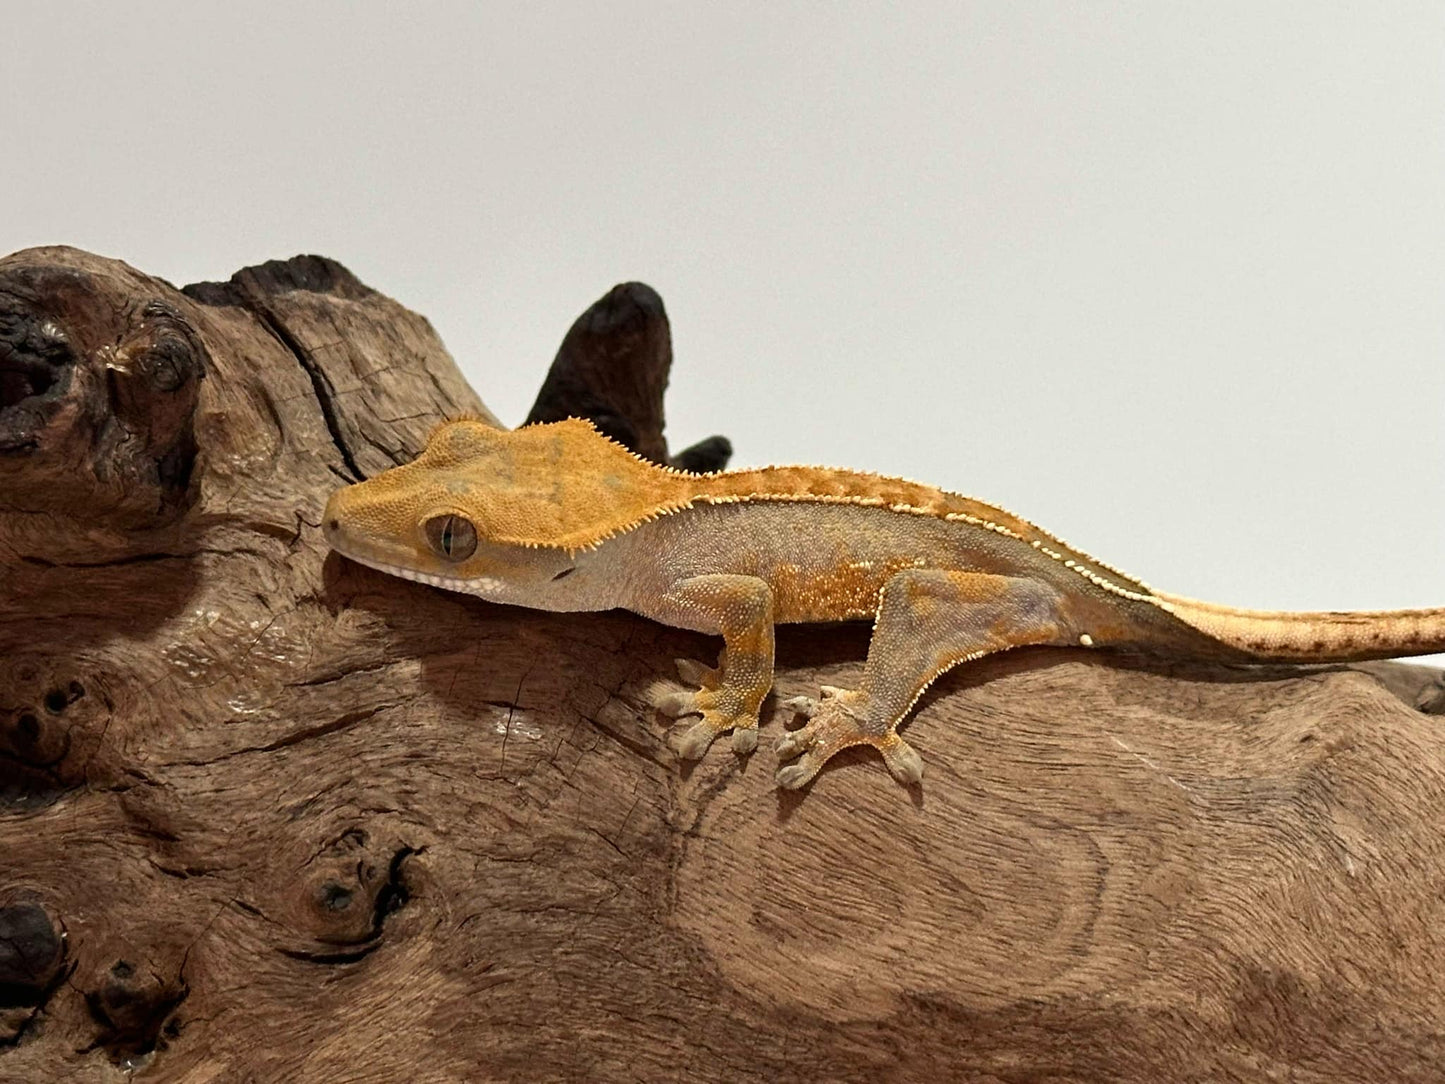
[333,525]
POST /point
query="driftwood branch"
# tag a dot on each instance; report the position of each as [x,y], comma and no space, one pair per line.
[266,815]
[612,368]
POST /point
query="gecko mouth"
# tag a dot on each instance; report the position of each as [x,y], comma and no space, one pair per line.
[337,539]
[477,585]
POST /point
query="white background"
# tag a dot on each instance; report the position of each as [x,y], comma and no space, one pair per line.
[1166,278]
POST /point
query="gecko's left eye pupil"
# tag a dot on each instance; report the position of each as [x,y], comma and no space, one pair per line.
[452,537]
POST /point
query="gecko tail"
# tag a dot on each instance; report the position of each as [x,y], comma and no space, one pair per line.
[1324,636]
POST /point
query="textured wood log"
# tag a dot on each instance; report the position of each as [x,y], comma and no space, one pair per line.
[266,815]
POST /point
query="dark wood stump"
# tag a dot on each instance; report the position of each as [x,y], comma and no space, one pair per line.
[266,815]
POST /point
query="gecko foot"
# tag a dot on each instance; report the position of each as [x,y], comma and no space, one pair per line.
[696,739]
[832,727]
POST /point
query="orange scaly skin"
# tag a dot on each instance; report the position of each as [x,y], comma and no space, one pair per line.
[558,517]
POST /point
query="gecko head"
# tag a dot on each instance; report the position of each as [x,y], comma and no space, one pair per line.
[468,514]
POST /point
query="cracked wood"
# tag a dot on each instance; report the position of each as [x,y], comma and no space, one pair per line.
[458,846]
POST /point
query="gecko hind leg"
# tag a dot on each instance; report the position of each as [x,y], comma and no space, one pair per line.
[928,621]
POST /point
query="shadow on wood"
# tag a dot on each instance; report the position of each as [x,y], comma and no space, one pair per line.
[268,815]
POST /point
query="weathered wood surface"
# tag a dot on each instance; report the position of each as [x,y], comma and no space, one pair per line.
[266,815]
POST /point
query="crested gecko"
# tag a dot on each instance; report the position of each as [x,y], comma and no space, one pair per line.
[559,517]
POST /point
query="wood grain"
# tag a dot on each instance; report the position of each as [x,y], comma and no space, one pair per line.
[267,815]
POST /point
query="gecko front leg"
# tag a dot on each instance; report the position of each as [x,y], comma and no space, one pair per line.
[928,621]
[740,608]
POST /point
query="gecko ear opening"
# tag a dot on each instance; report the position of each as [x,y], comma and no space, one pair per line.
[451,537]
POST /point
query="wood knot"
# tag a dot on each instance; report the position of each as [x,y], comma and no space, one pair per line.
[97,396]
[346,897]
[36,364]
[32,950]
[133,1005]
[37,737]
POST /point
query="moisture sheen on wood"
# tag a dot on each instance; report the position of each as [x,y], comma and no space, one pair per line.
[267,815]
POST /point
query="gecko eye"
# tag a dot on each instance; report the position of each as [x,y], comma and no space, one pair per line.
[451,536]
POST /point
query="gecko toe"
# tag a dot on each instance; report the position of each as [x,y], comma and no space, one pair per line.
[696,739]
[673,702]
[805,706]
[800,773]
[793,744]
[693,742]
[902,759]
[695,673]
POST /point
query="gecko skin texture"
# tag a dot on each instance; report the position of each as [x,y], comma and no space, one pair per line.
[558,517]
